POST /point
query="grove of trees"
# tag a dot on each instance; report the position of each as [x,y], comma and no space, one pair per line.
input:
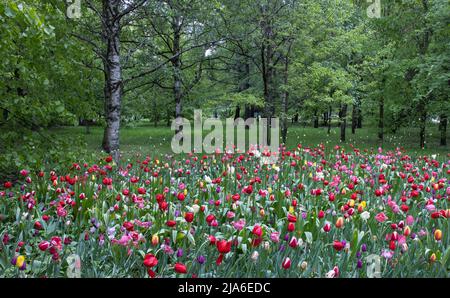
[306,61]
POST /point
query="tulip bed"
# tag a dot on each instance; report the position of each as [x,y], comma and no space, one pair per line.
[315,213]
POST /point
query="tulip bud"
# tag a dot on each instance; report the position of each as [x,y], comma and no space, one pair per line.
[433,258]
[438,235]
[257,231]
[255,256]
[44,245]
[321,214]
[189,216]
[339,222]
[303,265]
[291,227]
[407,231]
[155,240]
[286,263]
[293,243]
[195,208]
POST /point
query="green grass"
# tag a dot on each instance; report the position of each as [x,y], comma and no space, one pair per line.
[149,140]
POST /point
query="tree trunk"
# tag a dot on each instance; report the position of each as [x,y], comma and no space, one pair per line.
[354,118]
[247,112]
[423,120]
[360,118]
[325,118]
[381,119]
[267,52]
[244,84]
[177,77]
[285,97]
[168,113]
[316,119]
[156,114]
[113,77]
[284,101]
[237,112]
[343,121]
[443,129]
[423,48]
[330,111]
[358,113]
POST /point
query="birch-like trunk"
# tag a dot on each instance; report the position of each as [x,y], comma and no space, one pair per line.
[113,77]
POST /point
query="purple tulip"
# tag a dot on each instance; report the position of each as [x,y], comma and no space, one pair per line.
[364,247]
[201,259]
[179,253]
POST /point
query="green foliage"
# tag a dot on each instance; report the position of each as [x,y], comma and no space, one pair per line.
[38,150]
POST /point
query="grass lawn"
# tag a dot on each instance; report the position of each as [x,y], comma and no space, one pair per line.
[149,140]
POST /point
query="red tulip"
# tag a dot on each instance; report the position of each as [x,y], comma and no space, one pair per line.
[171,223]
[189,216]
[293,243]
[327,227]
[248,189]
[331,197]
[44,245]
[37,225]
[181,196]
[219,259]
[151,273]
[338,245]
[321,214]
[392,245]
[286,263]
[223,246]
[291,218]
[150,260]
[257,231]
[128,226]
[180,268]
[291,227]
[212,240]
[210,218]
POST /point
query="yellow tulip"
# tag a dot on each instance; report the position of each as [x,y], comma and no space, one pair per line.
[20,260]
[155,239]
[438,235]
